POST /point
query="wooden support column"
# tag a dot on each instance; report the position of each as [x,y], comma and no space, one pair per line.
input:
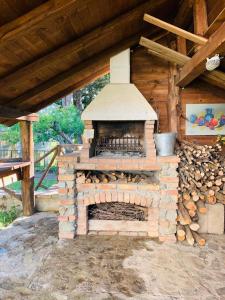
[181,45]
[173,93]
[27,143]
[200,17]
[173,97]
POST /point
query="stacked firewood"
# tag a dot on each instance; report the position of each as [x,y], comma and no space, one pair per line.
[119,177]
[201,180]
[117,211]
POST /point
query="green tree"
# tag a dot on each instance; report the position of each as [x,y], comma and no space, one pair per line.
[85,95]
[53,125]
[57,123]
[11,135]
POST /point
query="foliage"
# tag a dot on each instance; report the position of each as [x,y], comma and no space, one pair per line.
[67,120]
[10,134]
[7,217]
[56,118]
[90,91]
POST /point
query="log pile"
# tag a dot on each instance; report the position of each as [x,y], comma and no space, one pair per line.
[119,177]
[117,211]
[201,180]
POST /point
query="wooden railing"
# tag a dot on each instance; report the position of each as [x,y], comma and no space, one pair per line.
[57,151]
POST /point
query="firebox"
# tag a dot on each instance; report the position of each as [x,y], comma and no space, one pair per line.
[114,138]
[116,184]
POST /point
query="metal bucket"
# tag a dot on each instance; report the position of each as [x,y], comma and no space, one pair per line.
[165,143]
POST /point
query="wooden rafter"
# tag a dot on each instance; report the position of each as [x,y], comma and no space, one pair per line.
[71,76]
[12,113]
[184,14]
[216,23]
[200,17]
[196,66]
[164,52]
[216,78]
[73,48]
[72,79]
[174,29]
[86,76]
[34,17]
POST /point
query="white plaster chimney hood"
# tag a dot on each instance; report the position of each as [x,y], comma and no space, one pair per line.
[120,100]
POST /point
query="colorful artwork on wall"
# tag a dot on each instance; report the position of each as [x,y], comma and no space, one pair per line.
[205,119]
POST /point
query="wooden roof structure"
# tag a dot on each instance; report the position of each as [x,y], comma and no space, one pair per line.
[50,48]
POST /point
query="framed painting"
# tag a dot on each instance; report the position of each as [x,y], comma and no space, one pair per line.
[205,119]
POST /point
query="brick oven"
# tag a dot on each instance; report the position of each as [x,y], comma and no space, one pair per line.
[117,173]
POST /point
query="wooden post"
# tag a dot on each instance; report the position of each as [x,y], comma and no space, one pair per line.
[173,94]
[200,17]
[181,45]
[28,172]
[173,97]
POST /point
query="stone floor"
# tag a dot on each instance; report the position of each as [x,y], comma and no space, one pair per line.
[35,265]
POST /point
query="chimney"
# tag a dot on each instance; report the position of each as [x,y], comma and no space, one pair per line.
[120,67]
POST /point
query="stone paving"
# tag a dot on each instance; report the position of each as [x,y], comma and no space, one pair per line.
[35,265]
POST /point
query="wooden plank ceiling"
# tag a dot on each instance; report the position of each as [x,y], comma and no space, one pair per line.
[49,48]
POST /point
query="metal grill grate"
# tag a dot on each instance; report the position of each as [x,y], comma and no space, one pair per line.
[113,144]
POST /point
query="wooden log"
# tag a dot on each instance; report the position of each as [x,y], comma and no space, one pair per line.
[201,207]
[180,232]
[195,198]
[220,197]
[194,226]
[199,240]
[111,176]
[190,205]
[103,178]
[211,199]
[189,236]
[184,213]
[186,196]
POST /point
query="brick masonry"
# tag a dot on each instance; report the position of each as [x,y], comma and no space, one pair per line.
[160,199]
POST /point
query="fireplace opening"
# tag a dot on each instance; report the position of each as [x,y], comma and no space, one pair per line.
[117,211]
[118,138]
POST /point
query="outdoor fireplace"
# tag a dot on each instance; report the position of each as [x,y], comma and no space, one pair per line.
[117,170]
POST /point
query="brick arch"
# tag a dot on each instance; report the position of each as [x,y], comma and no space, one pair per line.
[132,197]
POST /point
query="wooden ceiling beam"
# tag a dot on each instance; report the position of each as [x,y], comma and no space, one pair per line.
[12,112]
[216,78]
[35,16]
[78,85]
[71,77]
[103,70]
[184,14]
[217,22]
[200,17]
[174,29]
[76,46]
[196,66]
[164,52]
